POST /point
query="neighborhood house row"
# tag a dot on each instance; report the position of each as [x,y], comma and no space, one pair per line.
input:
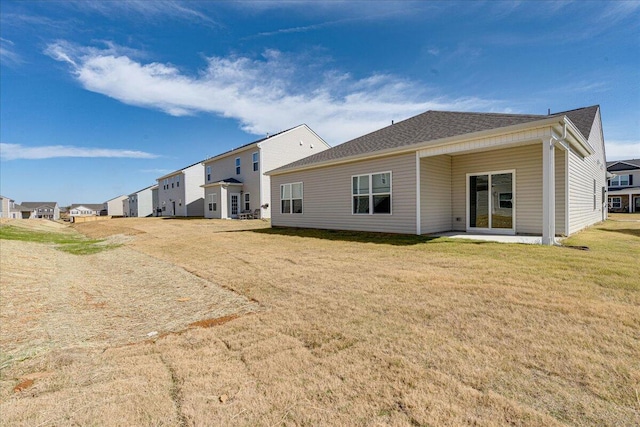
[437,171]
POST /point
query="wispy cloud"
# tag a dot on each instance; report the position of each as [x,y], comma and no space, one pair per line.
[20,152]
[622,149]
[148,9]
[8,55]
[265,94]
[156,171]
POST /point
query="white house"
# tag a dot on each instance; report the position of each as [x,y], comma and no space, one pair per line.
[114,206]
[624,185]
[442,171]
[87,209]
[180,192]
[235,181]
[9,209]
[141,203]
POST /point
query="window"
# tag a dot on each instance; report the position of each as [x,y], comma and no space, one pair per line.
[177,181]
[506,200]
[615,202]
[237,165]
[255,157]
[166,184]
[213,205]
[208,173]
[291,198]
[372,193]
[247,204]
[621,181]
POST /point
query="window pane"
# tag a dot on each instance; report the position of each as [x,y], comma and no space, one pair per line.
[381,183]
[296,191]
[297,206]
[382,204]
[286,206]
[360,204]
[285,191]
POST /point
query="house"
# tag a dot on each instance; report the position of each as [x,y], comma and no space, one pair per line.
[141,203]
[114,206]
[87,209]
[125,207]
[180,192]
[454,171]
[624,185]
[9,209]
[40,210]
[235,181]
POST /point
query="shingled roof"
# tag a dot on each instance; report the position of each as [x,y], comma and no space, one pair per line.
[436,125]
[623,165]
[35,205]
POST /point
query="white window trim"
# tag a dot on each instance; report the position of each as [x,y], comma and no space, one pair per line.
[213,202]
[237,164]
[611,202]
[245,201]
[511,230]
[208,173]
[371,193]
[615,181]
[254,162]
[291,199]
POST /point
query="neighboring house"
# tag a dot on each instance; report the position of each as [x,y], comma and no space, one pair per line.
[114,206]
[9,209]
[87,209]
[141,203]
[624,185]
[235,181]
[180,192]
[40,210]
[126,207]
[454,171]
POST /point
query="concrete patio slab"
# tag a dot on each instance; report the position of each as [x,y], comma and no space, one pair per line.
[499,238]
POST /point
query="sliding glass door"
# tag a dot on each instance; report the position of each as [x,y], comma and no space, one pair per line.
[491,202]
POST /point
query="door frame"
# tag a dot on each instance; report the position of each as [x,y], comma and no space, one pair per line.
[489,230]
[231,214]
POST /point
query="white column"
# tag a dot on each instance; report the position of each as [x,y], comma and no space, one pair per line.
[630,203]
[548,192]
[418,227]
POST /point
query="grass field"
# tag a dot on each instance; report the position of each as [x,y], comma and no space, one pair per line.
[327,328]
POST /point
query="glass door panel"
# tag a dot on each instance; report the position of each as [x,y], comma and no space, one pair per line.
[479,201]
[502,200]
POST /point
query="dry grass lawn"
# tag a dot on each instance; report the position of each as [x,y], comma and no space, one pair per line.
[345,329]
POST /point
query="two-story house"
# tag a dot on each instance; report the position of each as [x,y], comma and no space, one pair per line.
[624,185]
[114,206]
[180,192]
[142,203]
[235,181]
[40,210]
[9,209]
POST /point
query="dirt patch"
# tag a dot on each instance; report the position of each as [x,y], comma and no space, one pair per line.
[208,323]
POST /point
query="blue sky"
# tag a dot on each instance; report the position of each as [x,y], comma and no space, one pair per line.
[99,98]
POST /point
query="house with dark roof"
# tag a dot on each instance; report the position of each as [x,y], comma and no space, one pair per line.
[440,171]
[624,185]
[235,184]
[40,210]
[87,209]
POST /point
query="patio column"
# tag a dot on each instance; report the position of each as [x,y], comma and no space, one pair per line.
[630,203]
[418,214]
[548,192]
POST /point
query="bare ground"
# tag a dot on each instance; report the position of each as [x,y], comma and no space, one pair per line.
[351,332]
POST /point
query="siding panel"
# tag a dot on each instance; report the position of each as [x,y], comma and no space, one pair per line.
[327,197]
[435,194]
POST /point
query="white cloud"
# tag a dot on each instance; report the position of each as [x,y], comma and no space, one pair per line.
[156,171]
[8,54]
[267,94]
[622,150]
[17,151]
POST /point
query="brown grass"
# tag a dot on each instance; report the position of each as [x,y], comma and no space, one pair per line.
[357,329]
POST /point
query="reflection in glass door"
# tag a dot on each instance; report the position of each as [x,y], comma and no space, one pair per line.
[491,201]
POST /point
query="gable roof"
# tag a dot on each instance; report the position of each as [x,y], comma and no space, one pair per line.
[432,126]
[36,205]
[178,171]
[623,165]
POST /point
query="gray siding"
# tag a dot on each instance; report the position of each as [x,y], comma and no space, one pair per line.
[583,172]
[527,162]
[327,197]
[435,194]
